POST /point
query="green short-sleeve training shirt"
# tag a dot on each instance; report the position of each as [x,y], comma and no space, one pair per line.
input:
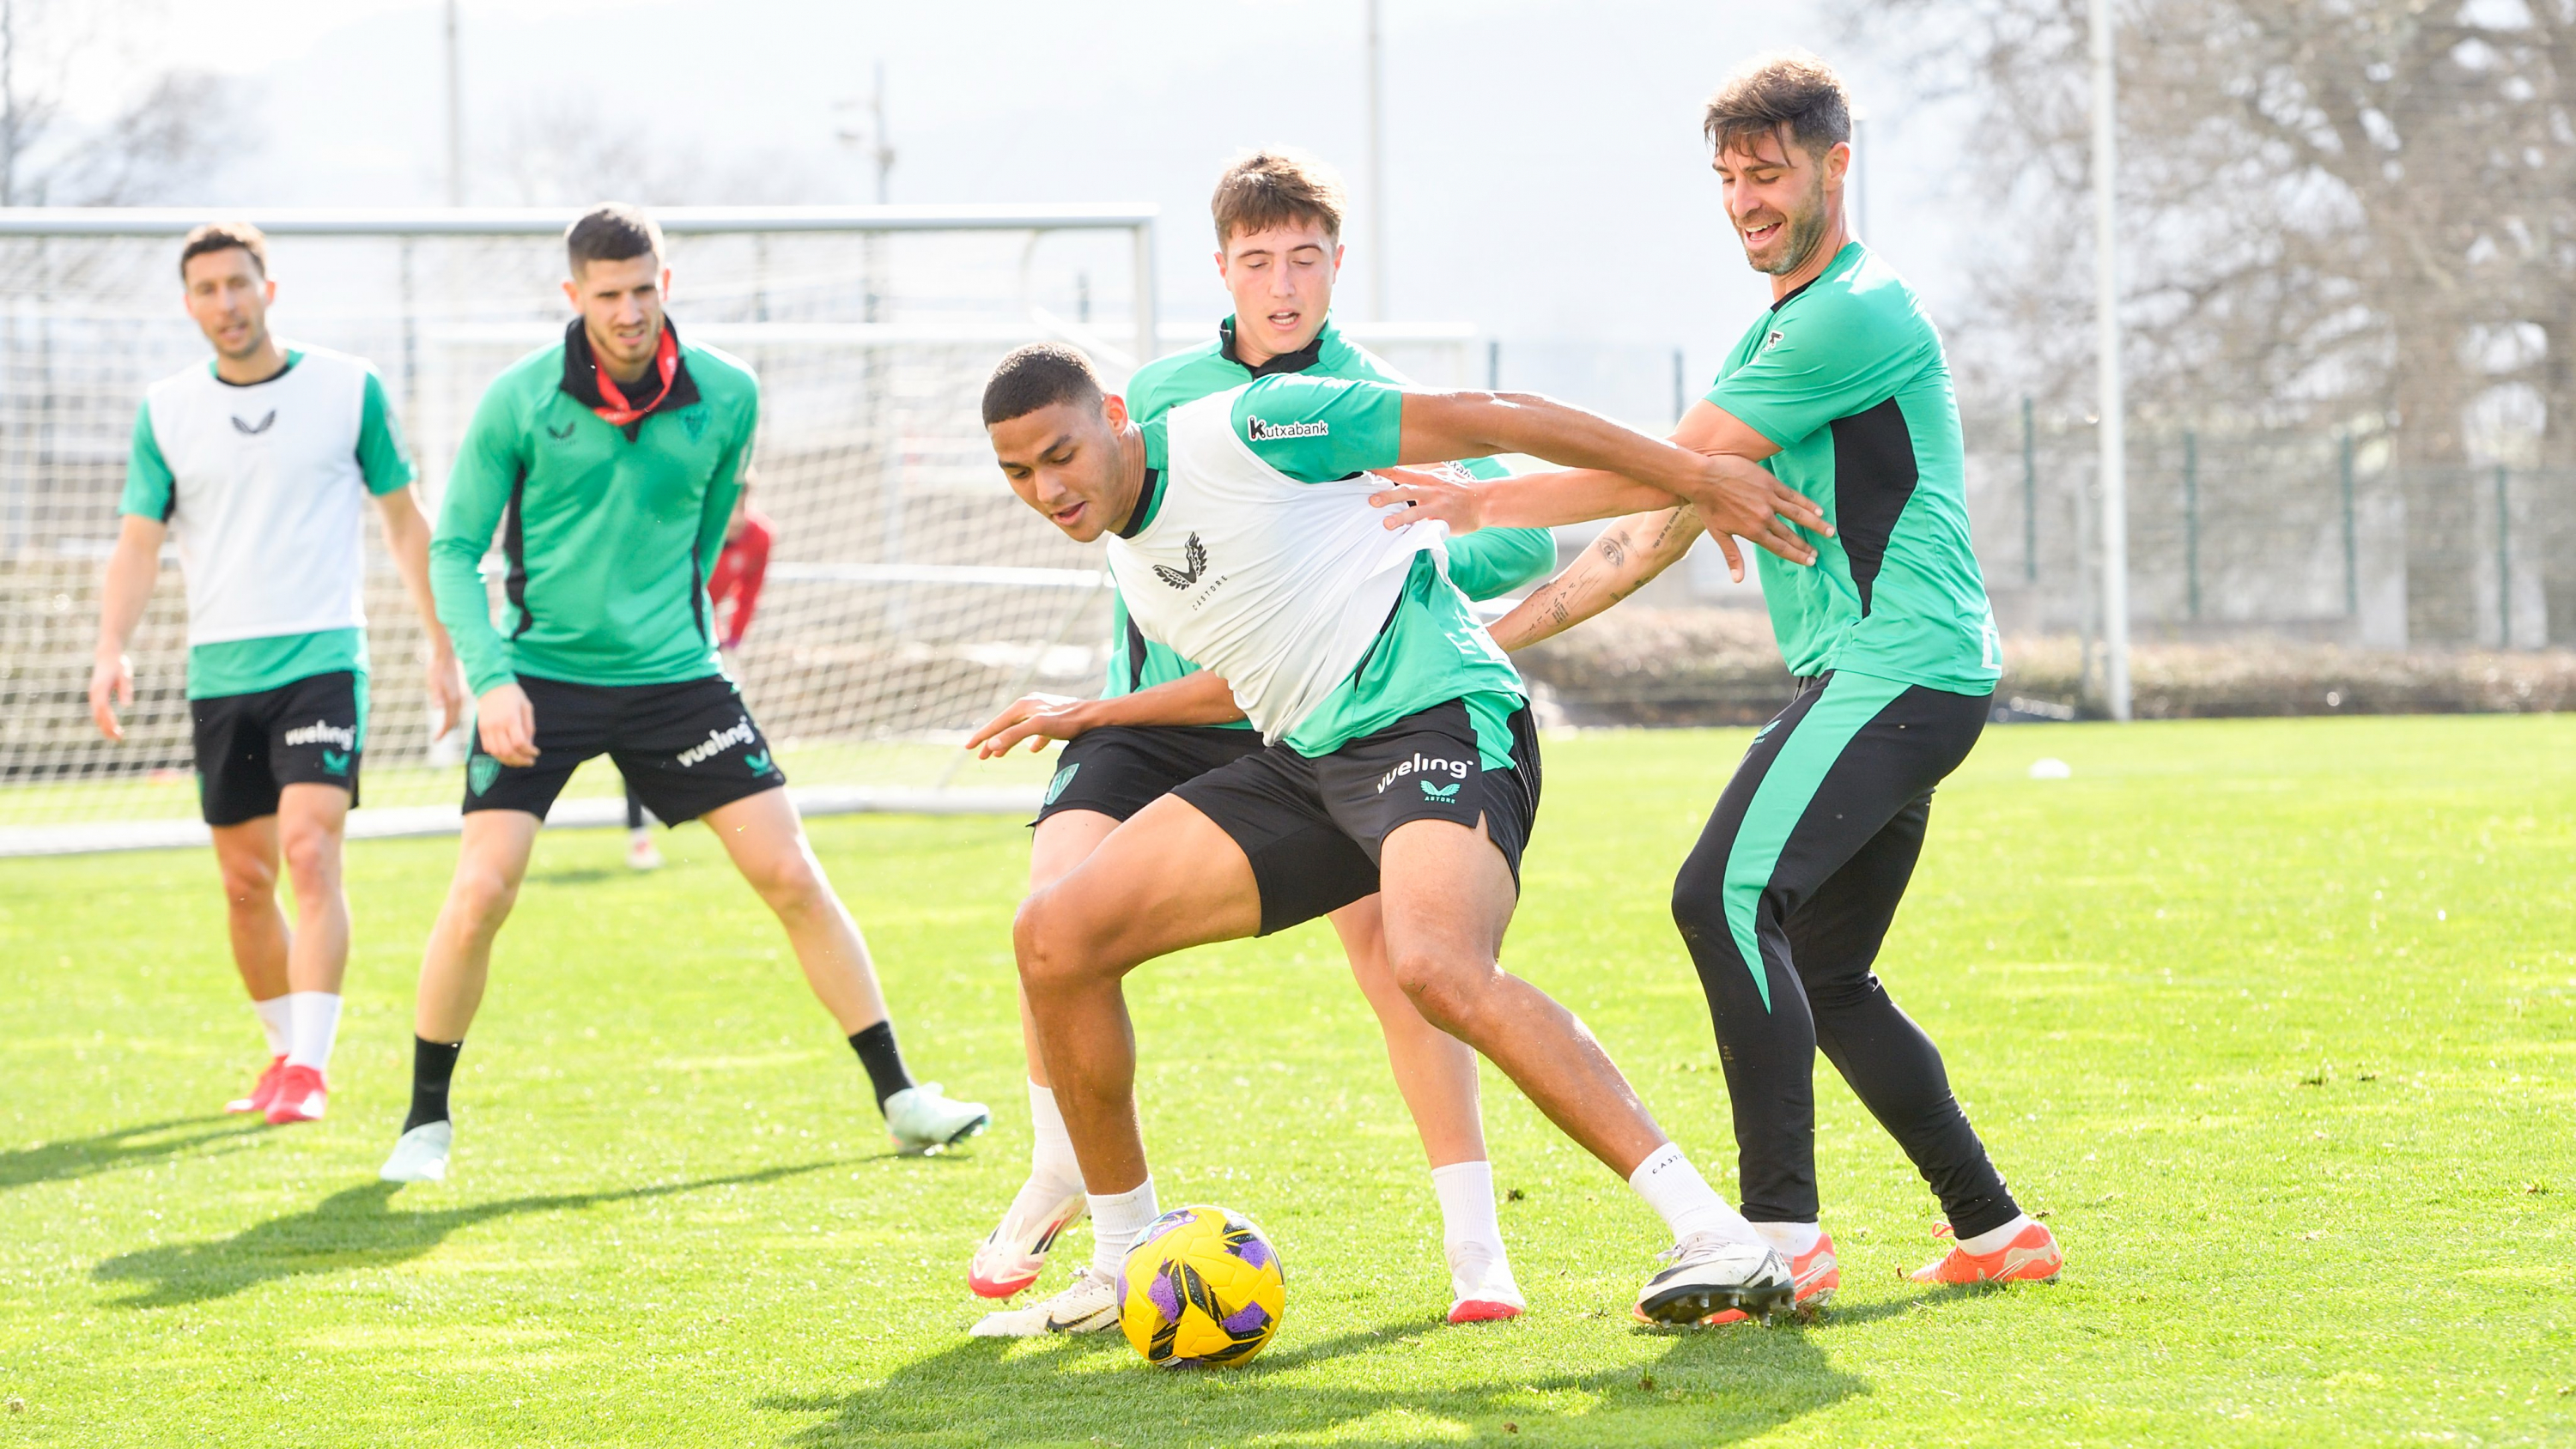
[1847,376]
[1432,650]
[1484,565]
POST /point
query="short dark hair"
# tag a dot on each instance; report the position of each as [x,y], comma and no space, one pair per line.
[611,232]
[1039,375]
[224,236]
[1277,187]
[1785,88]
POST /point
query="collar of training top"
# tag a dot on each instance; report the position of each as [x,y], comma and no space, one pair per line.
[1297,361]
[581,379]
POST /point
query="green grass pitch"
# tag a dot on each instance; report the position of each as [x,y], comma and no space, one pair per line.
[2276,1021]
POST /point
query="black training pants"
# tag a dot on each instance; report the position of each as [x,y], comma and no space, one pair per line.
[1800,869]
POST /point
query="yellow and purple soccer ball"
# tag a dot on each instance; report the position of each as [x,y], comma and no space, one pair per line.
[1200,1289]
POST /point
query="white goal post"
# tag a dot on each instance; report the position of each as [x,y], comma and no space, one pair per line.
[908,593]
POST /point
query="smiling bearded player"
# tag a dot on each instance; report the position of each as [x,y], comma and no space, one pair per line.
[1841,390]
[615,456]
[1160,721]
[1241,535]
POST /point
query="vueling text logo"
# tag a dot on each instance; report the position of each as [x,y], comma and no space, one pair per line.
[717,742]
[322,732]
[1422,764]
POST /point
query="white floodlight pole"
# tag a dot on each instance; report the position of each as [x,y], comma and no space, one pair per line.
[1377,169]
[455,113]
[2106,308]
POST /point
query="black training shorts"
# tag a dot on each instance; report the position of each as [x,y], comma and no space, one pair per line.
[1293,815]
[1120,770]
[685,748]
[250,746]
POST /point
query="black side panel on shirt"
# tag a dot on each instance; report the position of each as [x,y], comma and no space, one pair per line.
[1874,474]
[1135,656]
[514,549]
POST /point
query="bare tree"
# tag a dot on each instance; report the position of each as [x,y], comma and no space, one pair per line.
[169,130]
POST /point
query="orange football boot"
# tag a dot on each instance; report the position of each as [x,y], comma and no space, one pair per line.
[2031,1257]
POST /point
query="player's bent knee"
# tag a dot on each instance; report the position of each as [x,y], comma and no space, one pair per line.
[312,856]
[249,882]
[1451,994]
[1056,940]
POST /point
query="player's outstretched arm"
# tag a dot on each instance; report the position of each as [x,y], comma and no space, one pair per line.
[1734,498]
[131,568]
[407,539]
[1625,558]
[1196,699]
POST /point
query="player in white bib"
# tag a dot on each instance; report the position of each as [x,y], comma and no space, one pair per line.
[260,465]
[1241,534]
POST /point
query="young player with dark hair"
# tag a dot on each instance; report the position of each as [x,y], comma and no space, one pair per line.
[259,464]
[1159,721]
[1241,535]
[608,463]
[1842,392]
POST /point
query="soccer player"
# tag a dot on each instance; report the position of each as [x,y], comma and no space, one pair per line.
[1278,217]
[1241,535]
[1842,392]
[614,457]
[258,464]
[734,591]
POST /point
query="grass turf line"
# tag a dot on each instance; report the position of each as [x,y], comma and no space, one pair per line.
[2274,1019]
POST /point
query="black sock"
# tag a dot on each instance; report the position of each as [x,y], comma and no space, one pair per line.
[883,1059]
[433,1063]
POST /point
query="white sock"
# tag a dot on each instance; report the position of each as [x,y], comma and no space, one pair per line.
[315,1018]
[1467,1220]
[1675,1190]
[1051,1156]
[1118,1219]
[1790,1238]
[1995,1240]
[275,1020]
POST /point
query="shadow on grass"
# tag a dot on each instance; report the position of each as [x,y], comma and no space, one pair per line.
[356,1228]
[120,1147]
[1712,1387]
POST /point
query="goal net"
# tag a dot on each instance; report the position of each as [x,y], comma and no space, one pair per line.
[908,593]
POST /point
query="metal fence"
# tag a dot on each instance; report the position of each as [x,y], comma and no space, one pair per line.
[2317,536]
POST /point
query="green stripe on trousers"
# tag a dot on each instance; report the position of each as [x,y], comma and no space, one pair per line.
[1780,801]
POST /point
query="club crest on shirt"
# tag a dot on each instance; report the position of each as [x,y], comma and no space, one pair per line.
[560,435]
[1194,553]
[695,420]
[253,430]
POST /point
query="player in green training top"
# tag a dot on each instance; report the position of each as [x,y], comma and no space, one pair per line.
[1159,722]
[1841,391]
[260,465]
[608,464]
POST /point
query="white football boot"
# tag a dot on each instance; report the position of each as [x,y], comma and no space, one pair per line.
[923,1120]
[1088,1304]
[1016,1252]
[421,1155]
[1481,1289]
[1711,1274]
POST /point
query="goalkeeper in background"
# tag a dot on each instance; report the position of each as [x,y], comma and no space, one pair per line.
[1160,722]
[734,591]
[258,464]
[614,457]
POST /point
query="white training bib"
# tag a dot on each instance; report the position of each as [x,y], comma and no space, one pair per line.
[1276,585]
[268,506]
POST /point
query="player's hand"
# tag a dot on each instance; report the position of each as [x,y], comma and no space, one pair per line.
[111,683]
[1452,498]
[507,724]
[446,691]
[1737,499]
[1036,718]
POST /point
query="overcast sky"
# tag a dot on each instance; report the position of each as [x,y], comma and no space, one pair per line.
[1546,180]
